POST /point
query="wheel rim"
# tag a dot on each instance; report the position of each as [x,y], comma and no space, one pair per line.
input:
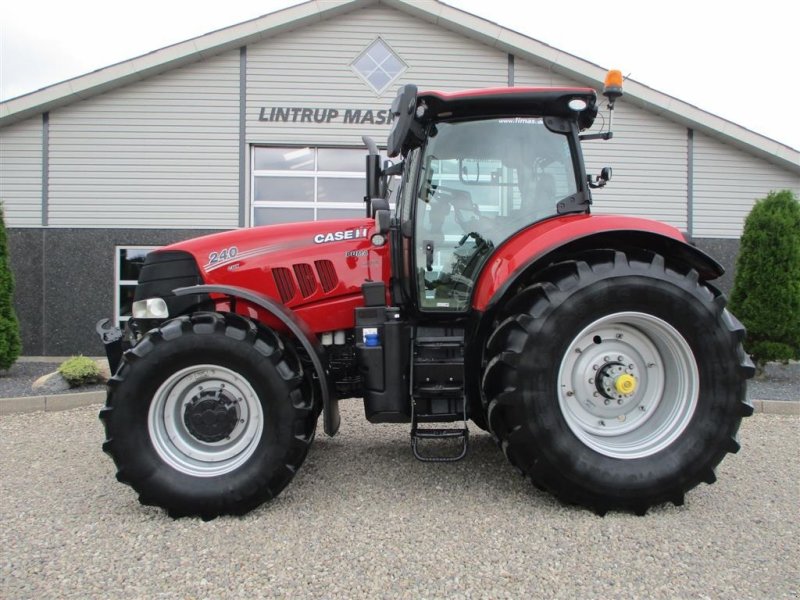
[628,385]
[205,420]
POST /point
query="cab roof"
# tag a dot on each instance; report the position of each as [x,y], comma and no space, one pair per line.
[509,102]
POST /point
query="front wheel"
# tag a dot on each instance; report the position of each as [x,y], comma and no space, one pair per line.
[209,415]
[616,382]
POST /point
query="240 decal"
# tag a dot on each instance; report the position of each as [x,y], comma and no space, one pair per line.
[222,256]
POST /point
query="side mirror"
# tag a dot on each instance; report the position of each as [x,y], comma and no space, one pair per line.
[406,133]
[601,180]
[383,219]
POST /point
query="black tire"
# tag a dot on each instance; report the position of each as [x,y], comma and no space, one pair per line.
[681,409]
[213,386]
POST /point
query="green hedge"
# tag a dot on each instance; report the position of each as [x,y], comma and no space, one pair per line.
[766,289]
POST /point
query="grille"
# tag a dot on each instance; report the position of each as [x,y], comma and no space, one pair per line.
[284,282]
[327,275]
[305,279]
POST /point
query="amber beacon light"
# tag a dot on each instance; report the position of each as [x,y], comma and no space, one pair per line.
[612,87]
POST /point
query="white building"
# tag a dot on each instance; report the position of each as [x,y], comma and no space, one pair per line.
[262,122]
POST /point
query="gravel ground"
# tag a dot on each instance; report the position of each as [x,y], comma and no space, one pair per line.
[363,519]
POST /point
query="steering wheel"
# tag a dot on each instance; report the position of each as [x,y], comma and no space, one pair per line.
[480,241]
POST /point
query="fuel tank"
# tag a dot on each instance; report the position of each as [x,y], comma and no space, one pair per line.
[314,268]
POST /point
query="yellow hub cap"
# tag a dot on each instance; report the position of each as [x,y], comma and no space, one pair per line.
[625,384]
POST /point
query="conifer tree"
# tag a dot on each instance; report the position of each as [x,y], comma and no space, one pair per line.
[10,344]
[766,289]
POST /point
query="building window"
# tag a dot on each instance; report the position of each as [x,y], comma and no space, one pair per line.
[128,261]
[307,184]
[378,65]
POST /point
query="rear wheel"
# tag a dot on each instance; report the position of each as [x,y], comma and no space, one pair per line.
[209,415]
[616,382]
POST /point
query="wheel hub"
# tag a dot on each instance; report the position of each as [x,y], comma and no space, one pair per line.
[211,415]
[615,380]
[609,377]
[205,420]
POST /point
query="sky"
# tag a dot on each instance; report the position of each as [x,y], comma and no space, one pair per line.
[733,59]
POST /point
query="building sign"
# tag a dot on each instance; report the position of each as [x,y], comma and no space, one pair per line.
[305,114]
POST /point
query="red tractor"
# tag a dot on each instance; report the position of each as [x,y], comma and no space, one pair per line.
[592,348]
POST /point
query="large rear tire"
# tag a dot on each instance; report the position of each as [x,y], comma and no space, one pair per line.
[617,383]
[208,415]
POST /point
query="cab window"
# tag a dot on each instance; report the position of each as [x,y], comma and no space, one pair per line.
[480,182]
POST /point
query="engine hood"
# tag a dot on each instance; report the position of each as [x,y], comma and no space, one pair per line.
[316,268]
[232,250]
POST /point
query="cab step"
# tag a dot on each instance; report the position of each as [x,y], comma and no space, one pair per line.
[437,392]
[462,434]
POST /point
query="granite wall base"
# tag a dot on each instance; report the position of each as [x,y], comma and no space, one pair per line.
[65,283]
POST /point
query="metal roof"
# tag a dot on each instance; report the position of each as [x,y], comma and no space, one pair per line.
[433,11]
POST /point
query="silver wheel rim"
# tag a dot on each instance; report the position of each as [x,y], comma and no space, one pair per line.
[628,385]
[182,449]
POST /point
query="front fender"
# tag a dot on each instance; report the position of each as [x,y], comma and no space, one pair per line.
[551,240]
[304,335]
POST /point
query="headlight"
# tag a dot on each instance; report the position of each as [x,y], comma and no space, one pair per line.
[150,308]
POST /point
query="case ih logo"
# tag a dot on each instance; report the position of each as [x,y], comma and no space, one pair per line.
[304,114]
[338,236]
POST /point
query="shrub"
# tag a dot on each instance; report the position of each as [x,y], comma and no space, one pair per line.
[766,289]
[79,371]
[10,345]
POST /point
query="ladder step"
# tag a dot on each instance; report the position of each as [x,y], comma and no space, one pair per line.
[430,340]
[440,434]
[438,391]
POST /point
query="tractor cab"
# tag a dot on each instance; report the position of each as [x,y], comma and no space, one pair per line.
[478,167]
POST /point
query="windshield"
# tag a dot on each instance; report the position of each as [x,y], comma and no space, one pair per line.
[481,181]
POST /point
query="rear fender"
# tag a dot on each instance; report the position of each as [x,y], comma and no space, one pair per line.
[557,239]
[305,337]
